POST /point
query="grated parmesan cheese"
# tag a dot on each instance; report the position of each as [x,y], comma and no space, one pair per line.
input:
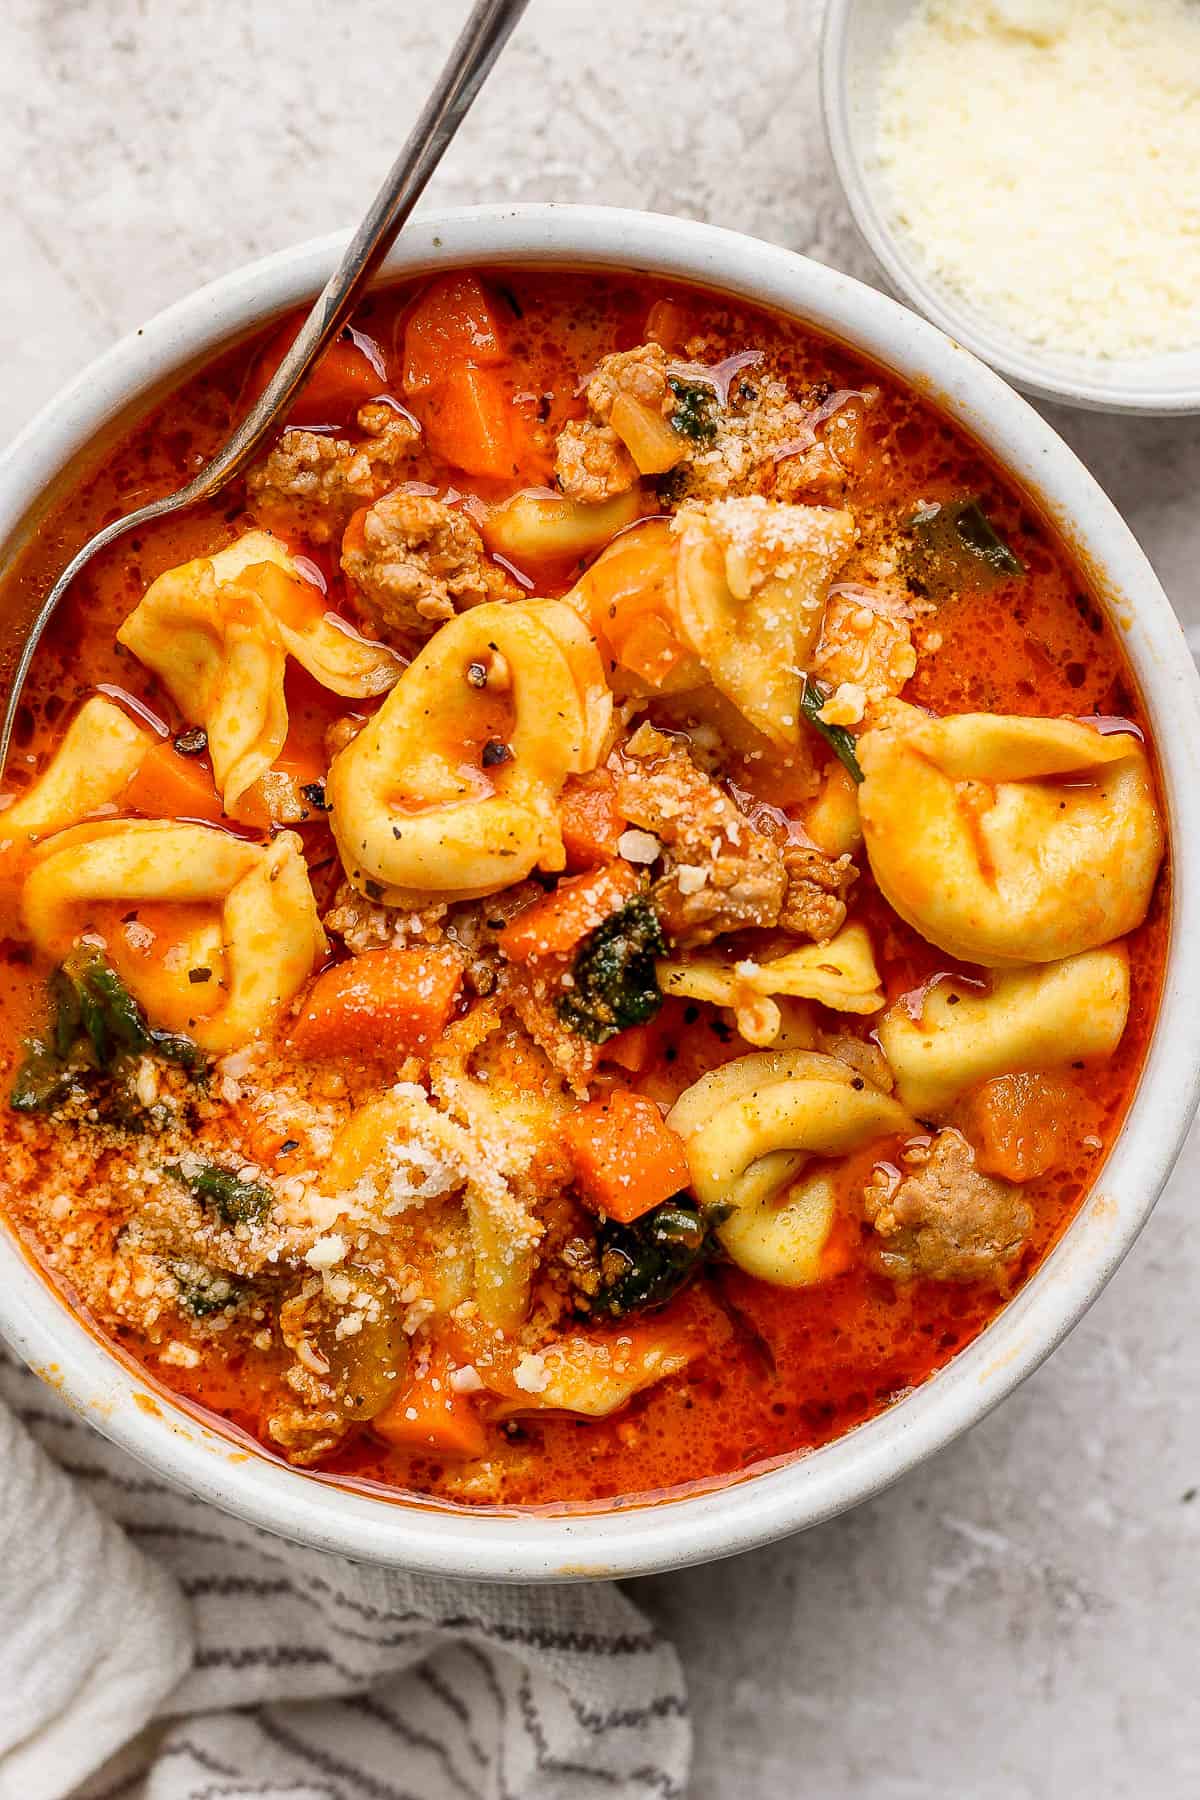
[531,1374]
[1043,156]
[639,846]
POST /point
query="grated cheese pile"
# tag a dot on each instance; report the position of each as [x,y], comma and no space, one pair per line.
[1045,157]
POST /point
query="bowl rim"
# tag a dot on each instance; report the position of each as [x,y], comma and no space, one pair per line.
[1149,398]
[630,1539]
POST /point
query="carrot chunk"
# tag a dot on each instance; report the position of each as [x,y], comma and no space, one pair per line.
[646,646]
[590,820]
[170,786]
[1016,1124]
[428,1418]
[452,346]
[553,925]
[379,1004]
[635,1048]
[344,378]
[626,1159]
[452,321]
[468,420]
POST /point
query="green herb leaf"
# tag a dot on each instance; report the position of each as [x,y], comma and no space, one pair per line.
[615,980]
[696,408]
[96,1028]
[645,1264]
[42,1081]
[955,542]
[204,1291]
[978,535]
[812,698]
[113,1020]
[235,1202]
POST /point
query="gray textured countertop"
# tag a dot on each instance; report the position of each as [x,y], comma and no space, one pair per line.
[1020,1617]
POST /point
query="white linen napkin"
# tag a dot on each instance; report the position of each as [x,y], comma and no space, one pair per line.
[151,1648]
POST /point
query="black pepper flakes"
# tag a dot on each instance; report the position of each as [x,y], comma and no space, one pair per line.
[495,753]
[192,742]
[198,976]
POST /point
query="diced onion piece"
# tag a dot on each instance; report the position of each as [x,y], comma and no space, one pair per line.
[651,440]
[541,527]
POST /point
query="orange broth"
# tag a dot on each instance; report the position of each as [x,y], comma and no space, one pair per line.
[785,1369]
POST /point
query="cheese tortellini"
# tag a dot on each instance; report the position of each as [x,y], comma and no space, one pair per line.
[592,1376]
[218,632]
[750,1126]
[783,1241]
[730,593]
[1035,1018]
[236,930]
[98,757]
[450,790]
[753,578]
[1009,840]
[840,974]
[537,525]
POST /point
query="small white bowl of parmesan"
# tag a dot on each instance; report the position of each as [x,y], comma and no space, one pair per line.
[1027,173]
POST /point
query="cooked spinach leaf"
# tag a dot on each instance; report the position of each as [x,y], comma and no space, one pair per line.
[812,698]
[42,1081]
[96,1030]
[615,983]
[696,408]
[977,534]
[203,1291]
[646,1263]
[234,1201]
[955,541]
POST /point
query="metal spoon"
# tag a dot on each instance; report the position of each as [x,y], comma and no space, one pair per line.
[470,62]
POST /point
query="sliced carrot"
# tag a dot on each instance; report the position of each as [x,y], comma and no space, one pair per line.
[626,1159]
[452,321]
[590,820]
[468,420]
[383,1003]
[840,1248]
[430,1419]
[452,348]
[170,786]
[296,603]
[354,538]
[1015,1124]
[269,1144]
[553,925]
[633,1049]
[646,645]
[670,323]
[343,379]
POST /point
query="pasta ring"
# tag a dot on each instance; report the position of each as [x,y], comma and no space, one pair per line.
[416,818]
[218,632]
[1035,1018]
[840,974]
[814,1106]
[748,1129]
[260,946]
[979,840]
[98,757]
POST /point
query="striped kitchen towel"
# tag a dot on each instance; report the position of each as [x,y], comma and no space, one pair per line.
[153,1649]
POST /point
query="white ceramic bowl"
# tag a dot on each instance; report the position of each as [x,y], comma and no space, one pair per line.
[633,1539]
[858,36]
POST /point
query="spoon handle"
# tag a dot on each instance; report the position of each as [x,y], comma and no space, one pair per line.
[470,61]
[479,43]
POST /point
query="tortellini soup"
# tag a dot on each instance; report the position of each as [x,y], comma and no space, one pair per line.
[584,928]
